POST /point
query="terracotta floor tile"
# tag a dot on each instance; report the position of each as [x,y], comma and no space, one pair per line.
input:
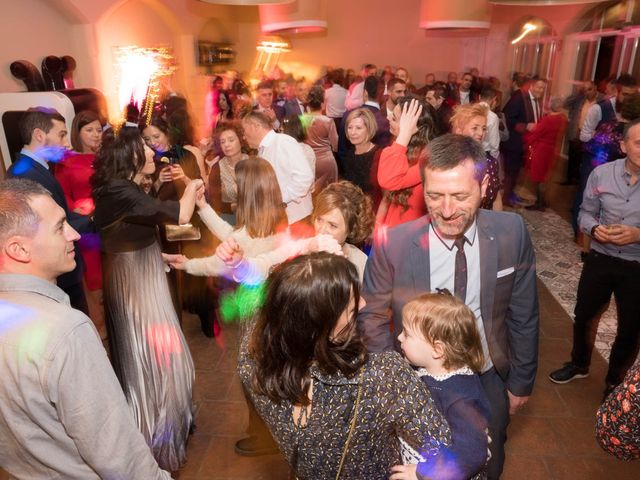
[570,468]
[545,402]
[532,436]
[576,434]
[524,467]
[221,460]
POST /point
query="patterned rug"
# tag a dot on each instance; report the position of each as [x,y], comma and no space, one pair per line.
[559,267]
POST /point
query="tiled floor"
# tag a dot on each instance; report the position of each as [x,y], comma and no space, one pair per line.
[551,438]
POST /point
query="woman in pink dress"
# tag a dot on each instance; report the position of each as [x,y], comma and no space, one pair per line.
[541,149]
[322,136]
[73,173]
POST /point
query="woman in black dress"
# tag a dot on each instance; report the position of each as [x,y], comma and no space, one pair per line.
[148,350]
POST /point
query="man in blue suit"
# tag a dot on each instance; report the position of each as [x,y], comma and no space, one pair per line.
[46,138]
[484,257]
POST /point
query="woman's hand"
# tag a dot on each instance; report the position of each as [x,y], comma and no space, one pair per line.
[404,472]
[176,261]
[201,199]
[177,173]
[230,253]
[165,175]
[408,123]
[324,243]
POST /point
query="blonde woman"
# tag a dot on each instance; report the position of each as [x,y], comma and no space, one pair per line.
[360,162]
[471,121]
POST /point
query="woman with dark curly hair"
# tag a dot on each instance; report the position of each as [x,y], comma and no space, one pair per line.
[342,218]
[322,136]
[149,352]
[414,124]
[334,410]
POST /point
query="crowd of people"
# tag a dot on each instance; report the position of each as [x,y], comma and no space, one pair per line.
[399,328]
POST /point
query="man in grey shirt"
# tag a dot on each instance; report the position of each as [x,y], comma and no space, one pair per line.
[62,411]
[610,215]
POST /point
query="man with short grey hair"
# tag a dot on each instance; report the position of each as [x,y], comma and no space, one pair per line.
[609,214]
[484,257]
[62,410]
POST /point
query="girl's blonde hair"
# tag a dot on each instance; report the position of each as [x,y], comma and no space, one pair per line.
[465,113]
[445,318]
[260,209]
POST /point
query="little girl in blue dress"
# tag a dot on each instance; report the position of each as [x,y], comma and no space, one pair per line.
[440,337]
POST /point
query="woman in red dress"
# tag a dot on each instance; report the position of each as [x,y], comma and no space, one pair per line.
[398,171]
[73,173]
[541,149]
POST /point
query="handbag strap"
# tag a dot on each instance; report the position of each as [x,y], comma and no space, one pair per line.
[352,426]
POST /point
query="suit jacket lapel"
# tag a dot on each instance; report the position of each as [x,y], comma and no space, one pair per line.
[488,269]
[420,266]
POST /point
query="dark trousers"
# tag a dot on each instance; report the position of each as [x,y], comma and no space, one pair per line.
[512,166]
[574,157]
[496,391]
[601,276]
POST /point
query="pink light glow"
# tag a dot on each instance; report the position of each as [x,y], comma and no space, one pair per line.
[164,341]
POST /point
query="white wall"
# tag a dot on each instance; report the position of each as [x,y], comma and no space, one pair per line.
[31,30]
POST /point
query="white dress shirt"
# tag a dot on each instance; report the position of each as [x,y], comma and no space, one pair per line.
[442,260]
[536,107]
[464,97]
[334,99]
[491,140]
[293,171]
[591,121]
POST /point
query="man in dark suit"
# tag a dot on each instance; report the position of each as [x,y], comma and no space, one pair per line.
[45,138]
[298,105]
[522,111]
[485,257]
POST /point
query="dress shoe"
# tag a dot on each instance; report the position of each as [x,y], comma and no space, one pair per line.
[254,447]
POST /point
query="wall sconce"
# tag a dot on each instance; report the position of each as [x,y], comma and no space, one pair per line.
[526,29]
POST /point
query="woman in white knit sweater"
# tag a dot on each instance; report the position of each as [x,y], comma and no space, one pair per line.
[261,219]
[342,214]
